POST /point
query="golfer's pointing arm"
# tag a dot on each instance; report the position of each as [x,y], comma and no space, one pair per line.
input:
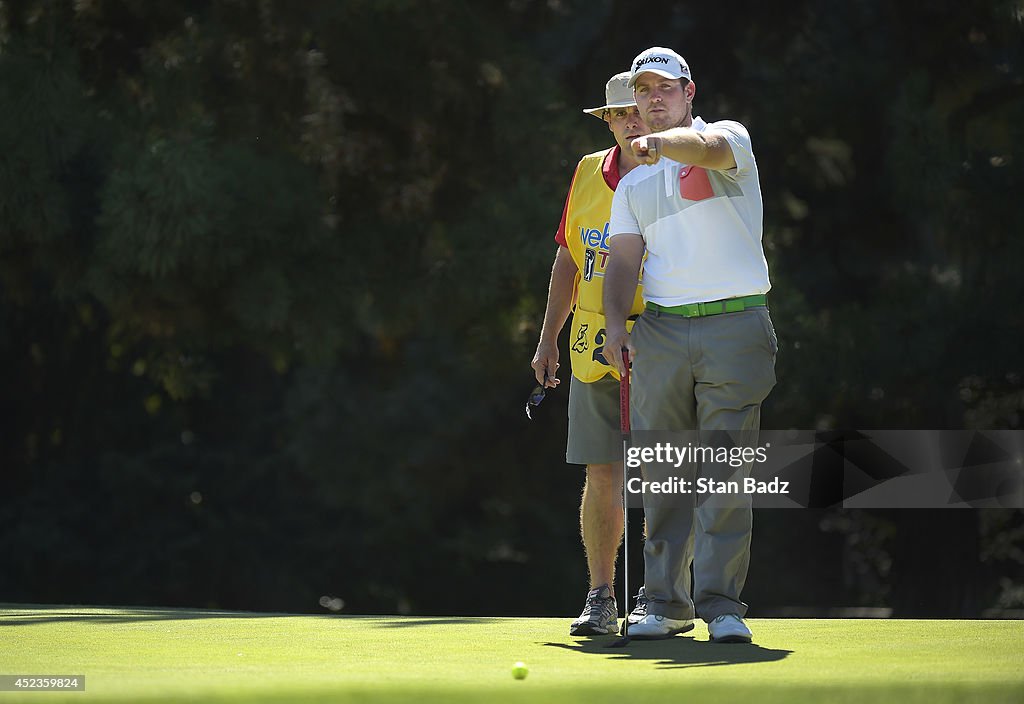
[626,251]
[707,149]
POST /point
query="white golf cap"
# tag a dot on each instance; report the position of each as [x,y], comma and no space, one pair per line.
[661,61]
[617,94]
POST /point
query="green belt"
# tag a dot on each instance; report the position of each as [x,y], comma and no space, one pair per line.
[698,310]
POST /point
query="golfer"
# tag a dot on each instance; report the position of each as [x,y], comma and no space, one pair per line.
[576,281]
[704,349]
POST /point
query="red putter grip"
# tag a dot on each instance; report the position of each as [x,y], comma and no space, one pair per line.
[624,395]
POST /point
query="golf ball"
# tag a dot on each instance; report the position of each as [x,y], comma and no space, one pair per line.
[519,670]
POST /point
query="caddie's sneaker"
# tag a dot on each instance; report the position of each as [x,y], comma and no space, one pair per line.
[600,616]
[640,609]
[729,628]
[656,626]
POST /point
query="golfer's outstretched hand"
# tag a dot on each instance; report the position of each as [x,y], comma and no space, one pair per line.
[646,149]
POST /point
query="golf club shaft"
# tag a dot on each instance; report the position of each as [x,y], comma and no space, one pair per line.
[624,427]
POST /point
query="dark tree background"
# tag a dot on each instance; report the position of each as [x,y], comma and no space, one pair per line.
[271,275]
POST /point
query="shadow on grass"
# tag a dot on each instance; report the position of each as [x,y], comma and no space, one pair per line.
[392,622]
[678,652]
[34,614]
[26,615]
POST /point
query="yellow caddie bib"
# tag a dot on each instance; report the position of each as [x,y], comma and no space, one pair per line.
[586,233]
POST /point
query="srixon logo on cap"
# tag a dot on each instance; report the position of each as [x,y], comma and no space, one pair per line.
[651,60]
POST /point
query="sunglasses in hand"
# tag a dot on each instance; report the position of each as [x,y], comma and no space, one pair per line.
[534,399]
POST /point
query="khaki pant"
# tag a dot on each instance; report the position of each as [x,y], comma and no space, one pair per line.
[707,374]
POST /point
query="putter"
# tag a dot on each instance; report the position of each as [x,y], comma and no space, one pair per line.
[624,427]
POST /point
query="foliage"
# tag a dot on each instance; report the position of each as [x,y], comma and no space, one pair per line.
[271,275]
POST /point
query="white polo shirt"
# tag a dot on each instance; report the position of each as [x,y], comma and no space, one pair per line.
[701,228]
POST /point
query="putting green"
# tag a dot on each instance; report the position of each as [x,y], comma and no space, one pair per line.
[178,655]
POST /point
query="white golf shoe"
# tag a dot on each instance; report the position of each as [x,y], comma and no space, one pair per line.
[729,628]
[656,626]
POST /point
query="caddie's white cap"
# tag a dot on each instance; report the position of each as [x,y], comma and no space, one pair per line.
[617,94]
[661,61]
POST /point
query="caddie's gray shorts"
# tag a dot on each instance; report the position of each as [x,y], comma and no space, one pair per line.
[594,431]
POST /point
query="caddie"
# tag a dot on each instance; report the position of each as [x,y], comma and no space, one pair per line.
[576,286]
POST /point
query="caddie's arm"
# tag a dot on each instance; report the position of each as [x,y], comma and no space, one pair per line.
[626,252]
[708,149]
[560,290]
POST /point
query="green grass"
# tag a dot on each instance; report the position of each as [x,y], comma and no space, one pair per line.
[178,655]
